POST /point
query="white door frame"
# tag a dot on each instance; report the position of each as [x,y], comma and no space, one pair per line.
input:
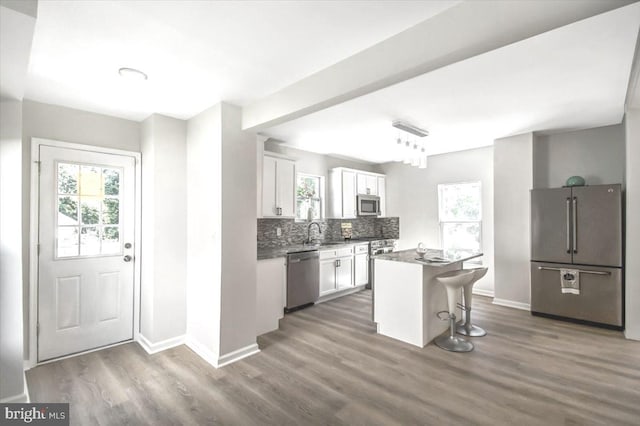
[34,231]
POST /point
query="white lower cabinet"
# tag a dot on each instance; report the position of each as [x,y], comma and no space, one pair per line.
[271,291]
[344,273]
[327,276]
[361,273]
[336,270]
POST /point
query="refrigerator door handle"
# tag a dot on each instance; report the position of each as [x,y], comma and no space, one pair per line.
[546,268]
[568,225]
[575,225]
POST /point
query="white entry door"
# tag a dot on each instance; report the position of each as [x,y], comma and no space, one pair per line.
[85,263]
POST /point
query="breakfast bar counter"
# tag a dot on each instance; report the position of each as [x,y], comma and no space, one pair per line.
[406,298]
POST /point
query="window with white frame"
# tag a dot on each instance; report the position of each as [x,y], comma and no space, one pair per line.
[460,216]
[309,196]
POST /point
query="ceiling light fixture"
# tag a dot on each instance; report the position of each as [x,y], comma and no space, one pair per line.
[410,128]
[132,74]
[411,152]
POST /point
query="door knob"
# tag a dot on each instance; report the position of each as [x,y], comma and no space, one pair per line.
[127,258]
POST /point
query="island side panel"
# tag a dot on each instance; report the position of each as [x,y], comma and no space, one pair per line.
[398,305]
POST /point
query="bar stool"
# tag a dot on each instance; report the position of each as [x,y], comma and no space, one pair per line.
[453,281]
[466,328]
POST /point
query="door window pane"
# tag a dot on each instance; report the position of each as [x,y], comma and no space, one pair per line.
[110,240]
[67,241]
[90,210]
[111,211]
[90,181]
[67,178]
[111,181]
[67,210]
[89,241]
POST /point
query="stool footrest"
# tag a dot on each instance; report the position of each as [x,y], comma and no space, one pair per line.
[448,317]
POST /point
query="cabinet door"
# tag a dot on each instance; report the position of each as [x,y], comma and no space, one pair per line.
[372,184]
[382,195]
[286,181]
[361,183]
[327,276]
[361,274]
[269,187]
[349,194]
[344,273]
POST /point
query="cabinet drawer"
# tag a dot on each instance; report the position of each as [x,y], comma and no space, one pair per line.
[328,254]
[348,251]
[364,248]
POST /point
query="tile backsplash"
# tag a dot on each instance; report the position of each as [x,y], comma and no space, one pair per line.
[293,232]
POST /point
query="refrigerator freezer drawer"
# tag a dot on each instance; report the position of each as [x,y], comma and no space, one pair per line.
[599,301]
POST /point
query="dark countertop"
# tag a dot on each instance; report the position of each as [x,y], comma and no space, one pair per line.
[410,256]
[271,253]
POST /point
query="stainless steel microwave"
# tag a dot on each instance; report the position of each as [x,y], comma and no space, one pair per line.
[368,205]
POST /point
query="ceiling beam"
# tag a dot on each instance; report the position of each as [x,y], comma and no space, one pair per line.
[461,32]
[17,25]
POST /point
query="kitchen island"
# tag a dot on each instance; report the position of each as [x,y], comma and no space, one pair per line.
[406,298]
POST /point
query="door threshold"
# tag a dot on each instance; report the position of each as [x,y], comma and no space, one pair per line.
[88,351]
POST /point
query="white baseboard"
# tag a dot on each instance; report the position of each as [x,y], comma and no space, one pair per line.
[22,398]
[221,360]
[153,348]
[630,335]
[202,351]
[340,293]
[483,292]
[237,355]
[512,304]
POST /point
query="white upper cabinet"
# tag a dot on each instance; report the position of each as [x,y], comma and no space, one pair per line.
[342,197]
[346,184]
[278,187]
[367,184]
[382,194]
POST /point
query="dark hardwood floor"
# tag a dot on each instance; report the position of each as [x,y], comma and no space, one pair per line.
[326,365]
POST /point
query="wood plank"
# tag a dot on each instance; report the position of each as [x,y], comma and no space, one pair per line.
[326,365]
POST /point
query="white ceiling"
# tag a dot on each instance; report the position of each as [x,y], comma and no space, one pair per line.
[571,78]
[198,53]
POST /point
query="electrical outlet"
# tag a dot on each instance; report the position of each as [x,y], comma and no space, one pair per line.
[279,232]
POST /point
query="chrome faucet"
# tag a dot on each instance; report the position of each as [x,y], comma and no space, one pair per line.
[308,240]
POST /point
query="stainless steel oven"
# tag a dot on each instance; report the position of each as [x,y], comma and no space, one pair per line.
[368,205]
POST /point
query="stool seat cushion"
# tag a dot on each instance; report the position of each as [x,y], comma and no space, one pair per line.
[479,273]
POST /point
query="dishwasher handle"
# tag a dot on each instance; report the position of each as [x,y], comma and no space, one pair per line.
[303,257]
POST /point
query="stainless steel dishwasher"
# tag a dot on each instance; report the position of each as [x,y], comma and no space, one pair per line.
[303,279]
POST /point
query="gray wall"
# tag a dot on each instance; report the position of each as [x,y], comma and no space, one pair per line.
[239,229]
[513,178]
[412,195]
[68,125]
[595,154]
[632,231]
[221,234]
[163,310]
[11,288]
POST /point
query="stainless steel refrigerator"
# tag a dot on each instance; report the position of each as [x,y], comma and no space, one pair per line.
[578,230]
